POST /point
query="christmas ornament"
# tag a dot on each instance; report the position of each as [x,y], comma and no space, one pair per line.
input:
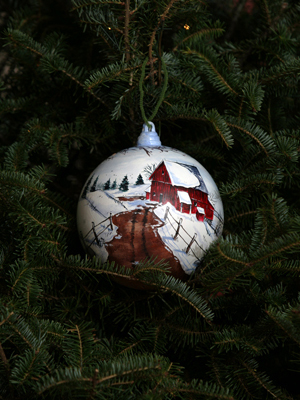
[150,201]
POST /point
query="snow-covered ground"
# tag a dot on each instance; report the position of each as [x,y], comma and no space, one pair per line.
[98,205]
[190,225]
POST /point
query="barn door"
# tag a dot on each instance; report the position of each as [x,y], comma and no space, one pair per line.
[160,197]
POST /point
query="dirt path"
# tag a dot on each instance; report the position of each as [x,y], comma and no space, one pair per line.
[139,239]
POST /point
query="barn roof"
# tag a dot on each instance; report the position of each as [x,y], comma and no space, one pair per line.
[185,175]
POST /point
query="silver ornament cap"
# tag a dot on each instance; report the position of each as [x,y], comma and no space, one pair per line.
[148,137]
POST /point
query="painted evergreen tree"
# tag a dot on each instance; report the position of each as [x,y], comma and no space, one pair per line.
[71,85]
[140,180]
[114,184]
[124,185]
[94,185]
[107,185]
[87,186]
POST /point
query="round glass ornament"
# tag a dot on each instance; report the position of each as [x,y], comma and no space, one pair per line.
[150,202]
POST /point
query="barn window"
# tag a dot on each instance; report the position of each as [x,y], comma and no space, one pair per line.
[195,204]
[162,171]
[154,194]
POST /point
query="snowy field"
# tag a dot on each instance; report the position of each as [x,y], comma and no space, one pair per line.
[190,226]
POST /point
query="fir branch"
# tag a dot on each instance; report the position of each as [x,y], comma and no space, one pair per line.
[281,245]
[7,318]
[234,260]
[94,266]
[263,380]
[220,126]
[208,390]
[79,4]
[241,215]
[114,72]
[14,105]
[17,327]
[124,370]
[265,7]
[80,344]
[29,369]
[214,31]
[49,60]
[23,272]
[25,181]
[180,290]
[94,383]
[77,377]
[259,181]
[126,30]
[184,335]
[4,360]
[276,75]
[222,81]
[22,180]
[128,372]
[281,320]
[282,266]
[163,16]
[264,141]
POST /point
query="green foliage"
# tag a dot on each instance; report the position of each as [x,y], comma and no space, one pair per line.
[69,97]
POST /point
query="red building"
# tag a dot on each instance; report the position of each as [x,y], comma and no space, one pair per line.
[183,187]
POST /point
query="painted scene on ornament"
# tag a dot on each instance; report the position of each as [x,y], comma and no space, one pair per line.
[144,203]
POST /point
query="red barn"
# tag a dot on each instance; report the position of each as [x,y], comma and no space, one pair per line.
[183,187]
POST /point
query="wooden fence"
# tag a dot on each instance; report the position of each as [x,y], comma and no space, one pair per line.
[96,235]
[177,226]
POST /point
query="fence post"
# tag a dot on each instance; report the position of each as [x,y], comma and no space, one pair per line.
[95,234]
[110,220]
[191,242]
[166,213]
[177,231]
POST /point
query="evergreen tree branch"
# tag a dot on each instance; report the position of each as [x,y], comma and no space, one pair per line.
[7,318]
[187,295]
[214,31]
[234,260]
[25,181]
[207,390]
[4,360]
[126,30]
[241,95]
[276,75]
[86,4]
[288,243]
[266,10]
[16,329]
[247,132]
[115,72]
[52,61]
[284,324]
[220,125]
[241,215]
[217,74]
[262,181]
[264,382]
[152,38]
